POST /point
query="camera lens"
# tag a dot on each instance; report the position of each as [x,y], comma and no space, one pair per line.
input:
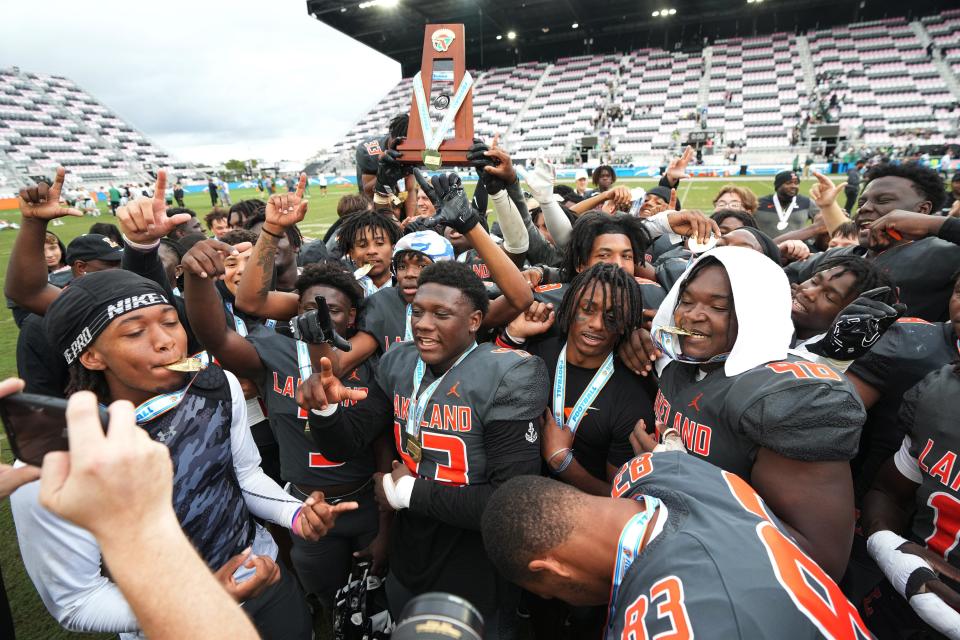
[439,616]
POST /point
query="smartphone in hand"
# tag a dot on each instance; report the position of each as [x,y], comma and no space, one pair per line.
[37,424]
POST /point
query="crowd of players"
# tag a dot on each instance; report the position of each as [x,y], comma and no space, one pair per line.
[613,416]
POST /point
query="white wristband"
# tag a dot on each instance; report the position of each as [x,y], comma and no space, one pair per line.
[506,330]
[392,493]
[404,491]
[329,411]
[140,247]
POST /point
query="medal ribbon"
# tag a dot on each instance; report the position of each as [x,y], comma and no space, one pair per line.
[303,360]
[628,548]
[419,401]
[240,325]
[432,138]
[159,405]
[781,214]
[600,379]
[408,329]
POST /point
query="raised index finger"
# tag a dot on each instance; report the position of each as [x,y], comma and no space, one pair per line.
[57,183]
[301,185]
[160,188]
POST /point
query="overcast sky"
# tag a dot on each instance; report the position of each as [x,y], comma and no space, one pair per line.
[207,80]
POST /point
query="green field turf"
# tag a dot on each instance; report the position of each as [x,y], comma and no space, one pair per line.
[31,618]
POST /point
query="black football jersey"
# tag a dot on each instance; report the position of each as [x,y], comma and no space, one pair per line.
[922,272]
[367,156]
[384,316]
[603,436]
[492,384]
[722,567]
[796,408]
[473,260]
[909,350]
[929,416]
[300,462]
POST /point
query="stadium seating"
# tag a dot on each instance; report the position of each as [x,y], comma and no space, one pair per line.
[48,120]
[749,90]
[754,90]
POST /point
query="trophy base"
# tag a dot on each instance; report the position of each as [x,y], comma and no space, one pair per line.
[448,158]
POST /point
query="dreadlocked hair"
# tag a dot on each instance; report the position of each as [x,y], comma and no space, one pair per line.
[246,209]
[619,290]
[596,223]
[747,219]
[83,379]
[331,274]
[354,225]
[599,171]
[294,237]
[399,125]
[926,181]
[866,275]
[459,276]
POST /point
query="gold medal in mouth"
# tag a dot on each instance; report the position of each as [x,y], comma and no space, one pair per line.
[362,271]
[680,331]
[187,365]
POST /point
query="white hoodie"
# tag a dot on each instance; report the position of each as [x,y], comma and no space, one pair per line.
[762,302]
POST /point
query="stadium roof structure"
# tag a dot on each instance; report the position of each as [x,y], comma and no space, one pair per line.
[548,29]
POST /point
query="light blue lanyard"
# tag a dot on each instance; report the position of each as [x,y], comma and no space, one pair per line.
[628,548]
[303,360]
[240,325]
[599,381]
[158,405]
[237,322]
[408,329]
[419,401]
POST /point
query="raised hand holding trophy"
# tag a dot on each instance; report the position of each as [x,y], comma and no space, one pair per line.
[442,100]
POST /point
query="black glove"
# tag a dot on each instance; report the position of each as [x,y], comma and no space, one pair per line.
[453,210]
[858,326]
[478,161]
[389,170]
[316,327]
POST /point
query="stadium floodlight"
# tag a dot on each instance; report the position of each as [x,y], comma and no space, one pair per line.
[575,25]
[673,11]
[378,3]
[499,37]
[511,35]
[655,14]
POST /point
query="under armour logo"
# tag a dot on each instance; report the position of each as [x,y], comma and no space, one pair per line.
[531,435]
[166,434]
[695,403]
[453,390]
